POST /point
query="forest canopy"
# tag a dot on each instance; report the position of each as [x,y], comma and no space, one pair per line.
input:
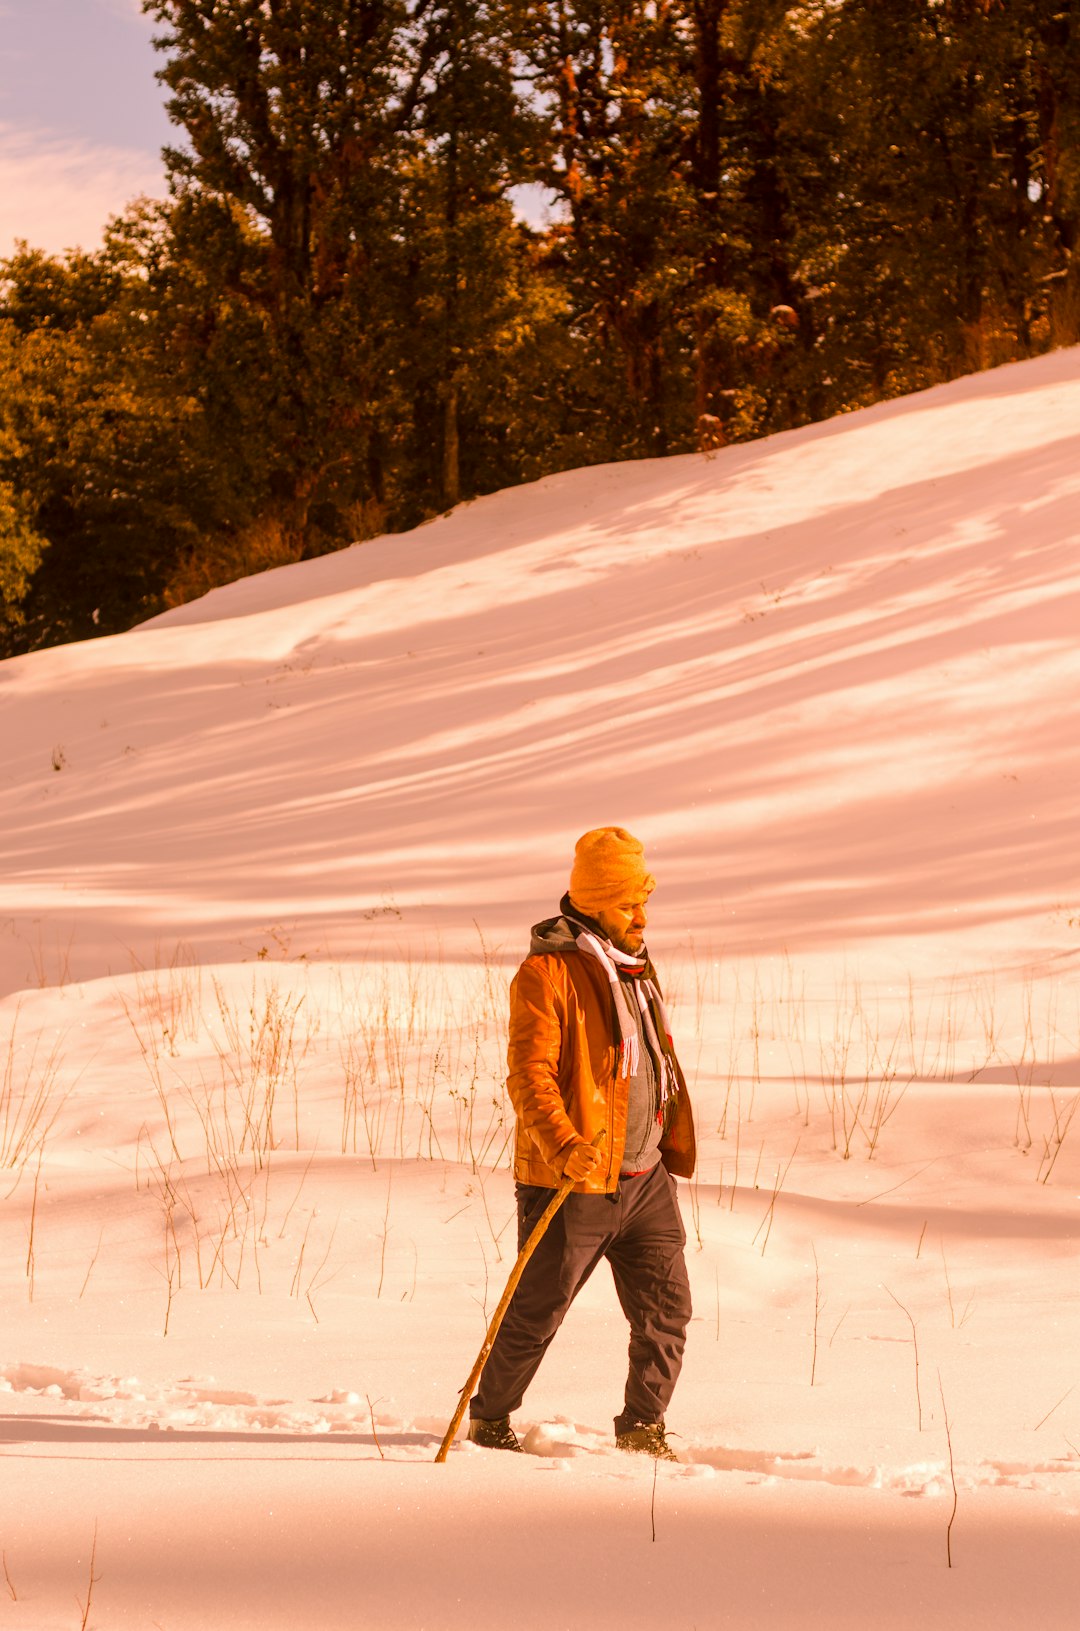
[341,321]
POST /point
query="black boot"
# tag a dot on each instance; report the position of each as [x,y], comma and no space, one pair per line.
[493,1435]
[643,1438]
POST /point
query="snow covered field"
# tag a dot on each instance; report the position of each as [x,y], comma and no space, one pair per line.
[269,862]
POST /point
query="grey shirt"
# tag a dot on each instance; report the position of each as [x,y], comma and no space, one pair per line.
[643,1127]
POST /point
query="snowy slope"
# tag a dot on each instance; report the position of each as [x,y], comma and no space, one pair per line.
[268,862]
[832,676]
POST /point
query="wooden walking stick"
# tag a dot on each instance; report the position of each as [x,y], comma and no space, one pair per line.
[504,1302]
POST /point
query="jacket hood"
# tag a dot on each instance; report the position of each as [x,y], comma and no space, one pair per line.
[554,934]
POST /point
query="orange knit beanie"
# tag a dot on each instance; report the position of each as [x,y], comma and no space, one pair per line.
[609,867]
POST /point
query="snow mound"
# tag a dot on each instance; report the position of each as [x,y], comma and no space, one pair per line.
[831,677]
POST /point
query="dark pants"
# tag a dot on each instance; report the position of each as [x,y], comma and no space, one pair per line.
[641,1234]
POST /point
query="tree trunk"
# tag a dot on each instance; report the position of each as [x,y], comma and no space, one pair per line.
[451,470]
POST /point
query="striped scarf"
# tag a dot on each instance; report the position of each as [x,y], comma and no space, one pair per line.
[654,1019]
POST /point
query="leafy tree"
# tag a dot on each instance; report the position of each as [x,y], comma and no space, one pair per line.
[345,262]
[1046,124]
[291,114]
[668,148]
[465,307]
[753,327]
[105,455]
[21,545]
[607,76]
[925,221]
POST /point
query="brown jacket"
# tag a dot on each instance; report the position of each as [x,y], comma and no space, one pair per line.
[562,1079]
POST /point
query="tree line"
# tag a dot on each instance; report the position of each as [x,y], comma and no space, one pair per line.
[340,322]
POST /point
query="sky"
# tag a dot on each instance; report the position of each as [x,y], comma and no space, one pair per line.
[82,118]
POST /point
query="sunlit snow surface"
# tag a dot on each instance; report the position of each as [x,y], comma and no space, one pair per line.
[269,862]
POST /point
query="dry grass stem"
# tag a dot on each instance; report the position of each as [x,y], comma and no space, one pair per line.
[881,1194]
[91,1583]
[384,1236]
[30,1257]
[767,1221]
[1052,1143]
[1057,1406]
[93,1261]
[915,1346]
[294,1288]
[952,1475]
[30,1100]
[318,1279]
[818,1307]
[296,1197]
[948,1287]
[738,1147]
[374,1429]
[483,1255]
[839,1323]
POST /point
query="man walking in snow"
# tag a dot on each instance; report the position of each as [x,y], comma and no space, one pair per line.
[590,1050]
